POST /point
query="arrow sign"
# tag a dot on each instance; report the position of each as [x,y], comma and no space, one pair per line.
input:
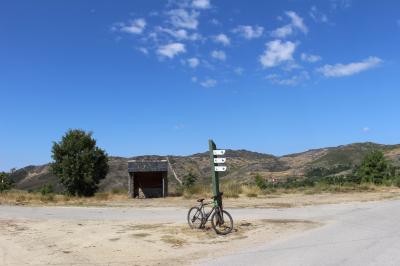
[220,168]
[219,160]
[218,152]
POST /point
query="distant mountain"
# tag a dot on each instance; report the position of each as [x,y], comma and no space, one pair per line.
[242,165]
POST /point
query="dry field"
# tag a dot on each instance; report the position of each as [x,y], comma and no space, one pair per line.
[278,199]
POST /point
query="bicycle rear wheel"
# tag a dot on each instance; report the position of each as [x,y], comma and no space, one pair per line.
[195,218]
[221,222]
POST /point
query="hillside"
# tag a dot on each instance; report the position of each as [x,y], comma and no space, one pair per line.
[242,165]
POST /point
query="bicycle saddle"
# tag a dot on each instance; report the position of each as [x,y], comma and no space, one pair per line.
[200,200]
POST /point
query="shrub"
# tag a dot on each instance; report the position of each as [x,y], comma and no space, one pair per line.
[46,189]
[260,182]
[189,180]
[374,168]
[5,182]
[396,181]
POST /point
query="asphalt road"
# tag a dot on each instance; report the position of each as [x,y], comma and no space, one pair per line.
[353,234]
[363,234]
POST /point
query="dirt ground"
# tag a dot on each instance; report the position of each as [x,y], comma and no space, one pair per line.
[108,242]
[28,242]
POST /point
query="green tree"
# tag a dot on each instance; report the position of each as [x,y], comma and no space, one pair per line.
[260,182]
[79,163]
[5,181]
[374,168]
[189,180]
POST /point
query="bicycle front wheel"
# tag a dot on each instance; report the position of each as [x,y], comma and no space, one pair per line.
[221,222]
[195,218]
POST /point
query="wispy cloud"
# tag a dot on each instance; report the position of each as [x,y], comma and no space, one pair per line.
[238,71]
[277,52]
[143,50]
[180,34]
[249,32]
[365,129]
[208,83]
[340,4]
[290,81]
[201,4]
[223,39]
[341,70]
[193,62]
[181,18]
[171,50]
[296,23]
[218,54]
[398,22]
[317,15]
[310,58]
[135,26]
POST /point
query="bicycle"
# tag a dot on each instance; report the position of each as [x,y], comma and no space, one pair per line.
[221,220]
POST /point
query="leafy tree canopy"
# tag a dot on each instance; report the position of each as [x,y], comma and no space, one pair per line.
[79,163]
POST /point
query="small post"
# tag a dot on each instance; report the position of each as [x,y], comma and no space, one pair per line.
[214,174]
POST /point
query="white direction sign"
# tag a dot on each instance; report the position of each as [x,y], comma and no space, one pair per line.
[220,168]
[219,160]
[218,152]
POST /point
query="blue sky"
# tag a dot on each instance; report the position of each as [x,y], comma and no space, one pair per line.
[161,77]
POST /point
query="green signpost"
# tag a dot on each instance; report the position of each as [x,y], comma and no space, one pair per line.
[216,167]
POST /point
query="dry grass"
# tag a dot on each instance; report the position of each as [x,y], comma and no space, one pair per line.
[20,197]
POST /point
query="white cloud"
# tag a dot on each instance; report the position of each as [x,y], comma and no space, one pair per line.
[180,18]
[223,39]
[201,4]
[172,49]
[238,71]
[249,32]
[180,34]
[310,58]
[208,83]
[366,129]
[194,79]
[215,22]
[277,52]
[341,70]
[136,26]
[340,4]
[218,54]
[317,15]
[295,23]
[282,32]
[291,81]
[193,62]
[179,126]
[143,50]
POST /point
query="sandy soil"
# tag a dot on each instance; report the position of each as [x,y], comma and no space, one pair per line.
[29,242]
